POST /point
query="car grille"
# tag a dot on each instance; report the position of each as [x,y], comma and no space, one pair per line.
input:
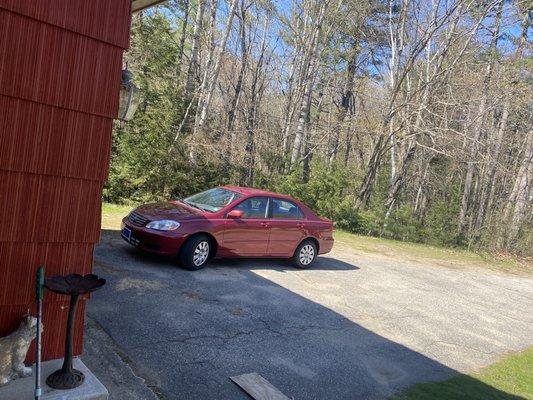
[137,219]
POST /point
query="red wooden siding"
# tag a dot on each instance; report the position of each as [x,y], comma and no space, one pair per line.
[105,20]
[45,208]
[60,63]
[16,259]
[52,66]
[54,141]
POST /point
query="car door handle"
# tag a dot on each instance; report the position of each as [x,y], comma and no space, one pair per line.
[300,225]
[265,224]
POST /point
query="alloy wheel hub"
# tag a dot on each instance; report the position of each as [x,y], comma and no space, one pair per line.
[200,253]
[307,254]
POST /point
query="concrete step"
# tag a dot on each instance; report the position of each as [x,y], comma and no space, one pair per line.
[23,389]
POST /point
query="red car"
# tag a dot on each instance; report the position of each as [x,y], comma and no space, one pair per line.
[229,221]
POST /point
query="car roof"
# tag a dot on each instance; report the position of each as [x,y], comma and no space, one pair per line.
[252,191]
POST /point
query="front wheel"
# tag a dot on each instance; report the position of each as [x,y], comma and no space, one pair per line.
[305,254]
[195,253]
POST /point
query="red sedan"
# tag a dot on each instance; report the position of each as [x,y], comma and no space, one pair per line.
[229,221]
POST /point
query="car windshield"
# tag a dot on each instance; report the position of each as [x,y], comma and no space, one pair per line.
[212,200]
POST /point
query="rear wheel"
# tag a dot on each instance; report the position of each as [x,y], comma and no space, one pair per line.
[305,254]
[195,252]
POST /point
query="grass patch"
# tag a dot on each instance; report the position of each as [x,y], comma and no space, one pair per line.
[424,252]
[112,215]
[510,378]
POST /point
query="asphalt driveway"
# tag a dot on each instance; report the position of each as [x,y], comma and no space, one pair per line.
[355,326]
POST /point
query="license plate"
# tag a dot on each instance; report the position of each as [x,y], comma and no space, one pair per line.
[126,232]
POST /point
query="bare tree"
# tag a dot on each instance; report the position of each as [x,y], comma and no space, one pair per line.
[256,89]
[216,68]
[195,46]
[478,128]
[308,80]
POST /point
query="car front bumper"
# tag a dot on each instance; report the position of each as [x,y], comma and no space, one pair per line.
[158,242]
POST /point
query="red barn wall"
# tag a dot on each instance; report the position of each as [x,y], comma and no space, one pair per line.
[60,71]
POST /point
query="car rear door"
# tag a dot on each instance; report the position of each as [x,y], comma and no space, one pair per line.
[287,227]
[248,235]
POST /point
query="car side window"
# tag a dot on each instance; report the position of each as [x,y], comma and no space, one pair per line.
[254,207]
[283,209]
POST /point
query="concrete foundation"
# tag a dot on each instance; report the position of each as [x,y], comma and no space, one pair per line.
[23,389]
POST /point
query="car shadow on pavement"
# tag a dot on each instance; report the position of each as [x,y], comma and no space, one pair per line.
[323,262]
[187,332]
[280,264]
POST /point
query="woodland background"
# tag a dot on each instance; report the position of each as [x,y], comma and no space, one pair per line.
[407,119]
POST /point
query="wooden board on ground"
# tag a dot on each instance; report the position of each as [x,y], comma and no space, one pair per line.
[258,387]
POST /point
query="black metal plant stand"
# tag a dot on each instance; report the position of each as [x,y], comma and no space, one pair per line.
[73,285]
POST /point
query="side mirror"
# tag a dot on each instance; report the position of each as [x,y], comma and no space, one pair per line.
[235,214]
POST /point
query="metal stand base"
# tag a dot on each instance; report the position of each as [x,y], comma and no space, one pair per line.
[65,380]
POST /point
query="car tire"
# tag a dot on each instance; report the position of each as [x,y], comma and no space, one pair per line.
[195,252]
[305,254]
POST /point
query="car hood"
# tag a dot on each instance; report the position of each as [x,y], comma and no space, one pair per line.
[174,210]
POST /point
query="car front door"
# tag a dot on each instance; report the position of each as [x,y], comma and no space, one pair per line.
[287,227]
[248,234]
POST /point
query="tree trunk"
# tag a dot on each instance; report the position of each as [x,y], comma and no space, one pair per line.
[308,155]
[183,37]
[210,56]
[387,140]
[289,107]
[247,177]
[302,122]
[399,179]
[346,100]
[487,180]
[308,80]
[478,129]
[232,113]
[195,46]
[348,149]
[308,151]
[365,190]
[216,69]
[521,194]
[207,70]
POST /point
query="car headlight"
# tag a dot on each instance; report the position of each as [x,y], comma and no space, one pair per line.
[164,225]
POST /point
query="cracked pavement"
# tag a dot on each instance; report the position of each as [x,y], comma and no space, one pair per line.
[355,326]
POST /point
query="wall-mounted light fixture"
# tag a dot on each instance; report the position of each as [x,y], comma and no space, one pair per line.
[129,97]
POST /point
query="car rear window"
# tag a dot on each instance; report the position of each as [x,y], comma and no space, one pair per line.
[284,209]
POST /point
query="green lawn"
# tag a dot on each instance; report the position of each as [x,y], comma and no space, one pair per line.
[112,214]
[426,253]
[510,378]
